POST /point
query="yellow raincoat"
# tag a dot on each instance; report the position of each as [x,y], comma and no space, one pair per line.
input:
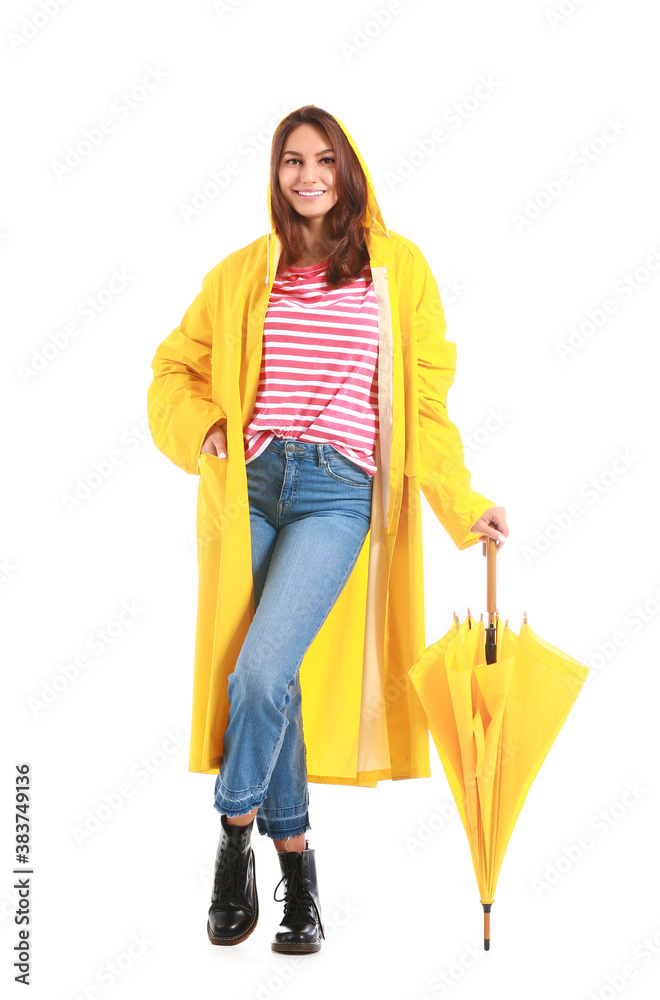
[363,721]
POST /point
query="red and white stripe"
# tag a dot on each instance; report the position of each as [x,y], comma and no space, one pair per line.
[319,368]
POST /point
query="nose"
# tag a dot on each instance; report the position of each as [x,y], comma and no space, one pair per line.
[309,175]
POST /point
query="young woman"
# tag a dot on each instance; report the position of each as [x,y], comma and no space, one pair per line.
[306,385]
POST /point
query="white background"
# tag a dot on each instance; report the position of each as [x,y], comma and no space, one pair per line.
[398,892]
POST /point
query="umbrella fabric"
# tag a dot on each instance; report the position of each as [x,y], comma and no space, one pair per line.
[493,725]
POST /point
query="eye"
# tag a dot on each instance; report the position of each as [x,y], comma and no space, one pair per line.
[328,159]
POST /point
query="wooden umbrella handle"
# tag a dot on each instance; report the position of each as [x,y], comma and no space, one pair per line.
[486,907]
[491,566]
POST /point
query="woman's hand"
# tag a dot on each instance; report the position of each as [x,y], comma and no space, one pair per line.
[215,443]
[492,524]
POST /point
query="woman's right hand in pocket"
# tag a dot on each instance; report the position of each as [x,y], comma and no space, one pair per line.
[215,443]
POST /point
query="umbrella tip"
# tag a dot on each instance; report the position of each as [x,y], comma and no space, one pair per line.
[524,617]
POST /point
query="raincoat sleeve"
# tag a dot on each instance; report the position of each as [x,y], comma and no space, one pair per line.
[180,410]
[445,481]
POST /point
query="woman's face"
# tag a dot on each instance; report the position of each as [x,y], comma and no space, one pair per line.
[308,165]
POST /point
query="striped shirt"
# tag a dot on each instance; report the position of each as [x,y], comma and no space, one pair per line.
[318,379]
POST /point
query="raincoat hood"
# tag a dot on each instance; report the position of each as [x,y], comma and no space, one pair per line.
[363,720]
[373,217]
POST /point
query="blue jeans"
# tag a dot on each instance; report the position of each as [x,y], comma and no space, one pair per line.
[310,512]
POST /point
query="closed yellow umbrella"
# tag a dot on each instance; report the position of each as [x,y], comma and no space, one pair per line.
[495,702]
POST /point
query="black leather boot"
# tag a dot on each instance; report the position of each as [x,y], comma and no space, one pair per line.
[301,928]
[234,909]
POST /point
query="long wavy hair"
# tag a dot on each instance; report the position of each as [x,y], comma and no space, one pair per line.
[344,243]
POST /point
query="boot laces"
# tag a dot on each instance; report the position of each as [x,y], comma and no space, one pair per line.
[297,898]
[229,876]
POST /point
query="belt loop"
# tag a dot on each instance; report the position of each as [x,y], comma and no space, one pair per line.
[319,451]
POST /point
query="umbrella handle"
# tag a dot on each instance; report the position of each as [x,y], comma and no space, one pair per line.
[491,566]
[486,907]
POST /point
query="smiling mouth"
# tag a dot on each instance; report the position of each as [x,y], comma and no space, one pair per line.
[310,194]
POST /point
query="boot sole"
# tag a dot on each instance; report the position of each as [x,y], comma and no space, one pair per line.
[240,937]
[294,949]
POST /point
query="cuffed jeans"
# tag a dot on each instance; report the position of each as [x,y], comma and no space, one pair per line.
[310,512]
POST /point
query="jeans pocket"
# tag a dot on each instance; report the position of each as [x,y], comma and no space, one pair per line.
[343,470]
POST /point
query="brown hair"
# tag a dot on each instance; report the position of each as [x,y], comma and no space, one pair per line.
[345,245]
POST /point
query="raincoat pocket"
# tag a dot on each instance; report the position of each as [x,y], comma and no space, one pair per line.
[211,498]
